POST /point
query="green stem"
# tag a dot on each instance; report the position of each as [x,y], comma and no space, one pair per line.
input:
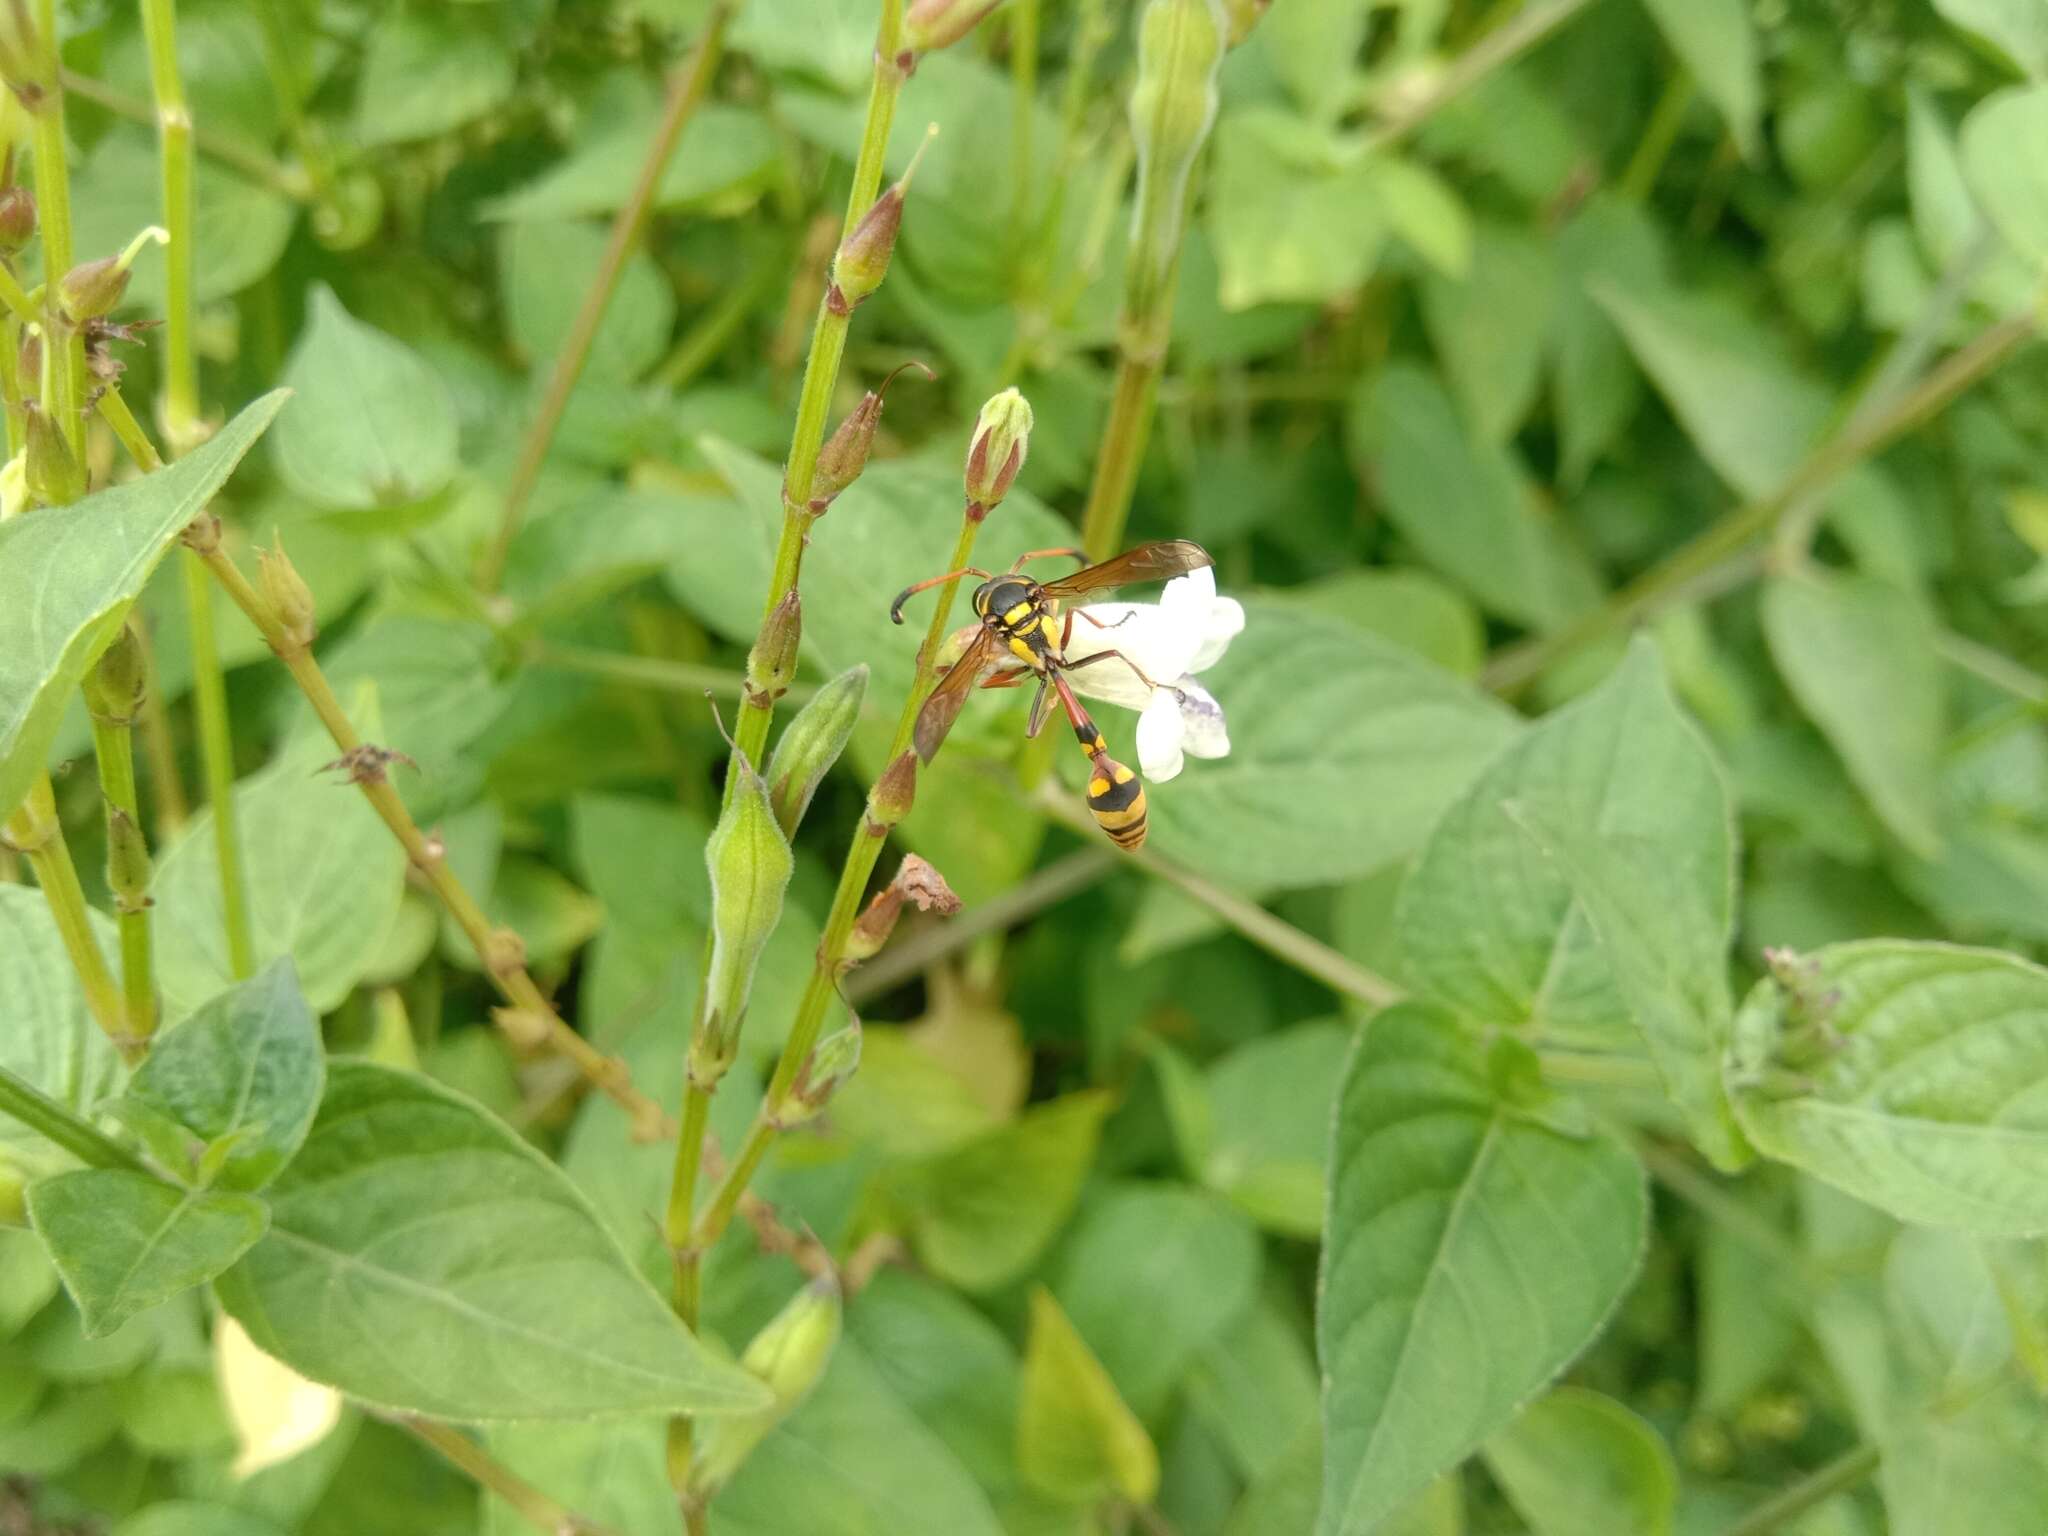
[217,763]
[1659,134]
[681,677]
[687,88]
[113,742]
[261,169]
[42,1114]
[480,1466]
[1519,664]
[64,348]
[1121,453]
[1844,1472]
[1503,45]
[1023,16]
[15,297]
[35,831]
[174,140]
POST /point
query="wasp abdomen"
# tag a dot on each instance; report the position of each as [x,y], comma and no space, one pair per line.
[1116,798]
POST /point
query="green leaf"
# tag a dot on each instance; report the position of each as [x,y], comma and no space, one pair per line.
[1668,956]
[982,1211]
[832,39]
[1576,1461]
[68,576]
[427,72]
[1472,1253]
[853,1461]
[324,879]
[1343,749]
[1717,43]
[1489,325]
[1750,411]
[1076,1438]
[1858,655]
[2020,27]
[1256,1387]
[1463,502]
[1998,139]
[1293,213]
[1596,388]
[181,1517]
[613,1473]
[1270,1102]
[125,1242]
[545,267]
[1150,1276]
[422,1257]
[27,1279]
[730,155]
[1490,928]
[247,1066]
[375,426]
[1931,1104]
[51,1040]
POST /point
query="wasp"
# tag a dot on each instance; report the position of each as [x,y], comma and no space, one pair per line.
[1024,634]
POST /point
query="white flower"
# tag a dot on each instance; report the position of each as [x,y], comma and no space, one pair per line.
[1185,632]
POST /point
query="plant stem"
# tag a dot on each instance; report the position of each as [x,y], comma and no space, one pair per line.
[681,677]
[1844,1472]
[63,347]
[500,950]
[273,174]
[1023,16]
[687,87]
[217,763]
[1122,451]
[15,297]
[1503,45]
[166,786]
[1518,664]
[113,742]
[532,1505]
[42,1114]
[35,831]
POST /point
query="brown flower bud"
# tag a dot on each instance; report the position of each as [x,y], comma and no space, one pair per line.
[291,600]
[862,260]
[17,219]
[933,24]
[916,881]
[1002,438]
[114,687]
[894,792]
[845,453]
[771,664]
[91,289]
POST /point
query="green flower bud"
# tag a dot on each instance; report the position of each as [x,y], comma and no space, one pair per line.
[771,664]
[750,864]
[811,744]
[291,600]
[833,1060]
[1002,438]
[128,863]
[845,453]
[862,260]
[1173,104]
[91,289]
[933,24]
[54,476]
[17,219]
[789,1354]
[114,687]
[891,798]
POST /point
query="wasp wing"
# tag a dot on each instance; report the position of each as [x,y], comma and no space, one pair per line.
[943,707]
[1148,562]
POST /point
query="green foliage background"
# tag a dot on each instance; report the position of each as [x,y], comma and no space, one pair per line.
[1619,420]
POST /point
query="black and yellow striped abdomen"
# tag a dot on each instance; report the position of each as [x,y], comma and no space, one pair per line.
[1116,798]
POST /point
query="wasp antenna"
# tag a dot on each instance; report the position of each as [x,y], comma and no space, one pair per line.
[896,608]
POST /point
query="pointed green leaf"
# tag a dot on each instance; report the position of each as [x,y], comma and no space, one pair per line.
[1076,1439]
[375,426]
[1998,142]
[2020,27]
[249,1066]
[1472,1252]
[49,1037]
[427,72]
[1858,654]
[68,576]
[1933,1106]
[1717,42]
[1576,1461]
[423,1257]
[125,1242]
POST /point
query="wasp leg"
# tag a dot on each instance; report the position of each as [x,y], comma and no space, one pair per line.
[1089,661]
[1119,624]
[1046,554]
[1041,706]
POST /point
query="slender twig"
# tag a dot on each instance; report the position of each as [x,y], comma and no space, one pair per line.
[15,297]
[1518,664]
[681,677]
[167,786]
[480,1466]
[34,831]
[63,347]
[1048,887]
[1839,1475]
[501,951]
[23,1101]
[1023,40]
[113,739]
[1503,45]
[687,88]
[274,174]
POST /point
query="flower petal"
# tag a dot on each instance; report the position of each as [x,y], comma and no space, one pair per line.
[1160,729]
[1204,731]
[1224,623]
[1155,639]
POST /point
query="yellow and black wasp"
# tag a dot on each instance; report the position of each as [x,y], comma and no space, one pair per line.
[1024,634]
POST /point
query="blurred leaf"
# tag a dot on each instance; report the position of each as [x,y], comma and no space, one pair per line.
[180,1517]
[1997,142]
[66,1426]
[68,576]
[1411,608]
[1489,325]
[2017,26]
[125,1242]
[1256,1384]
[545,268]
[1576,1461]
[1596,386]
[507,1299]
[1150,1276]
[1270,1103]
[426,73]
[52,1040]
[613,1473]
[374,426]
[1717,43]
[1313,46]
[833,39]
[27,1278]
[1472,1254]
[1859,656]
[1294,214]
[1427,214]
[1464,503]
[980,1212]
[730,154]
[323,874]
[1343,749]
[245,1070]
[1076,1439]
[1929,1106]
[853,1461]
[176,1412]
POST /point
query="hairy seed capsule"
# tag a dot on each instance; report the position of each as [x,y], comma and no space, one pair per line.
[790,1355]
[894,792]
[811,744]
[771,664]
[1180,50]
[114,687]
[750,865]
